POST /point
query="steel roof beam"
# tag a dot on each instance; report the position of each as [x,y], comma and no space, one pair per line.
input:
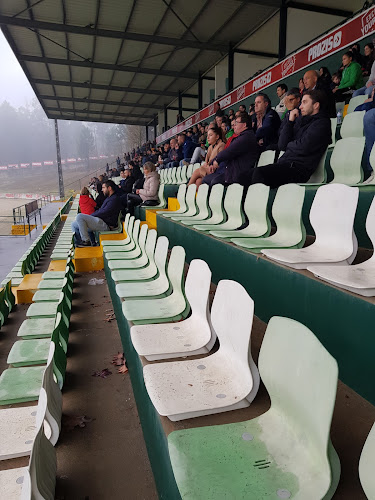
[137,37]
[103,102]
[97,120]
[115,67]
[256,53]
[319,9]
[88,112]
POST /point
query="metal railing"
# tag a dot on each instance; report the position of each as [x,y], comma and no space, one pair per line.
[7,223]
[79,183]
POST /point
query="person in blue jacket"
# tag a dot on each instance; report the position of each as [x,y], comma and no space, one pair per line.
[265,122]
[188,147]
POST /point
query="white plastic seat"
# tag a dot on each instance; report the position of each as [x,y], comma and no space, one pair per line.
[255,207]
[140,261]
[183,174]
[287,214]
[215,203]
[352,125]
[354,102]
[202,206]
[346,160]
[232,207]
[162,201]
[285,452]
[127,228]
[320,174]
[226,380]
[117,253]
[359,278]
[178,175]
[366,465]
[132,231]
[191,207]
[189,171]
[332,218]
[333,131]
[187,338]
[266,158]
[182,195]
[150,270]
[162,310]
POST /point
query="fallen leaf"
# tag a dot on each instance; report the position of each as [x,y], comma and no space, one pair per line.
[102,373]
[69,422]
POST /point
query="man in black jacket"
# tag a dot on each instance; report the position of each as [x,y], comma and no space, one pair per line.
[304,139]
[101,220]
[235,163]
[312,81]
[265,122]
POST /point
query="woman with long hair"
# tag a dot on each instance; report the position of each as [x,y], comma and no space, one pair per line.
[216,144]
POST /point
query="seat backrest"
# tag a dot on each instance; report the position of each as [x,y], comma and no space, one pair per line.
[195,166]
[333,132]
[301,378]
[135,231]
[129,229]
[197,288]
[232,315]
[233,201]
[161,253]
[181,197]
[370,223]
[190,196]
[142,237]
[183,176]
[320,174]
[189,171]
[169,176]
[372,157]
[332,215]
[266,158]
[287,209]
[178,175]
[255,207]
[54,397]
[161,195]
[174,175]
[346,160]
[9,295]
[40,478]
[202,200]
[352,126]
[366,465]
[354,102]
[176,269]
[215,202]
[126,222]
[161,175]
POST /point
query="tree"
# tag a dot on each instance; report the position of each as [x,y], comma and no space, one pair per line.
[86,143]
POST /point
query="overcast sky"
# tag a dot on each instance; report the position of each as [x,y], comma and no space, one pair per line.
[14,86]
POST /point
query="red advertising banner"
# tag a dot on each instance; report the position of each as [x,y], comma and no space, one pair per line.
[36,164]
[24,165]
[345,35]
[48,162]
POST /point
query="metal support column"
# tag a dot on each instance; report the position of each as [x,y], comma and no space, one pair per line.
[155,123]
[200,92]
[146,133]
[165,118]
[59,167]
[230,67]
[282,29]
[179,103]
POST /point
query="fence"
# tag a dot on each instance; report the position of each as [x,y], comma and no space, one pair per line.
[78,184]
[7,222]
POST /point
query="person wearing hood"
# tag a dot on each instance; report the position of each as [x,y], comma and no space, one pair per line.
[304,139]
[265,122]
[148,195]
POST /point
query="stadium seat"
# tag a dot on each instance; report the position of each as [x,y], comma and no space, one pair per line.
[202,206]
[131,245]
[117,229]
[332,218]
[283,453]
[354,102]
[191,207]
[181,193]
[183,174]
[128,225]
[179,390]
[118,253]
[287,214]
[255,207]
[49,309]
[366,465]
[59,275]
[150,270]
[191,337]
[137,263]
[170,308]
[215,203]
[189,171]
[352,126]
[174,175]
[359,278]
[232,207]
[333,131]
[266,158]
[162,202]
[320,174]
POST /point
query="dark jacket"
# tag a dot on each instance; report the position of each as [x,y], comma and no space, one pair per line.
[109,210]
[239,158]
[269,129]
[188,148]
[305,141]
[126,185]
[176,154]
[100,198]
[325,87]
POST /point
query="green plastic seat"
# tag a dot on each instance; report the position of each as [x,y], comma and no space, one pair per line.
[140,241]
[284,453]
[232,207]
[366,465]
[202,207]
[139,262]
[352,125]
[47,295]
[191,207]
[320,174]
[162,201]
[51,284]
[36,328]
[18,385]
[181,193]
[215,203]
[49,309]
[287,214]
[4,309]
[255,207]
[174,307]
[150,271]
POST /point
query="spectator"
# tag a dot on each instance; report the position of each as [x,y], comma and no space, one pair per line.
[195,136]
[174,155]
[281,91]
[219,111]
[107,169]
[251,110]
[101,220]
[231,137]
[357,56]
[301,85]
[100,198]
[304,139]
[118,161]
[86,203]
[148,195]
[164,154]
[351,78]
[126,185]
[179,118]
[219,120]
[231,115]
[265,122]
[336,79]
[292,101]
[216,144]
[187,146]
[368,88]
[325,76]
[368,59]
[234,163]
[135,170]
[369,130]
[242,108]
[312,81]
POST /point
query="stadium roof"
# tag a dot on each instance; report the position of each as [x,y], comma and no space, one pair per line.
[123,61]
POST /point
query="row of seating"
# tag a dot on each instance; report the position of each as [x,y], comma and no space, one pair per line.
[177,175]
[65,242]
[331,215]
[7,302]
[287,452]
[29,259]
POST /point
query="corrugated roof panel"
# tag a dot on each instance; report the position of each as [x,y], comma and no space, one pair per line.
[180,58]
[50,103]
[99,94]
[146,16]
[81,45]
[37,70]
[27,41]
[264,35]
[121,78]
[54,45]
[211,22]
[113,95]
[46,89]
[95,107]
[11,7]
[80,75]
[351,5]
[101,76]
[132,52]
[80,93]
[141,81]
[80,13]
[63,91]
[59,72]
[172,25]
[114,15]
[161,82]
[106,50]
[47,11]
